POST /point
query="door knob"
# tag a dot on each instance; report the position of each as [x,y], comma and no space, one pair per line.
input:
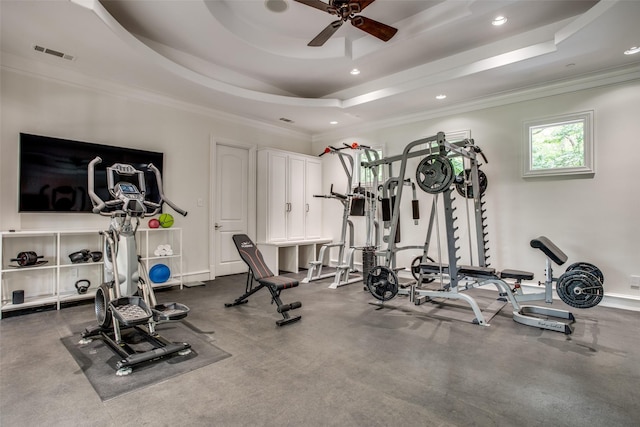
[217,227]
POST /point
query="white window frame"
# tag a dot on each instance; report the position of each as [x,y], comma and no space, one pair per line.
[359,157]
[586,117]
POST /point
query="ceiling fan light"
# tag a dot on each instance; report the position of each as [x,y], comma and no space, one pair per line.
[354,72]
[499,20]
[632,50]
[276,6]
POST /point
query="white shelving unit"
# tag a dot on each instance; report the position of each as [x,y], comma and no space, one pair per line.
[148,241]
[53,283]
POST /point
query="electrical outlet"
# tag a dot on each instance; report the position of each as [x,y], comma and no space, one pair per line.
[634,282]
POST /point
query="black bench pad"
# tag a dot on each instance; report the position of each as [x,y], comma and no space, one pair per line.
[472,270]
[516,274]
[549,249]
[278,282]
[468,270]
[433,267]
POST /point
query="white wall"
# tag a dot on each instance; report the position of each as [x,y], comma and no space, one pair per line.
[53,108]
[594,219]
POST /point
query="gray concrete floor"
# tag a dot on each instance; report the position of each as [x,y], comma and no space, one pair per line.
[344,364]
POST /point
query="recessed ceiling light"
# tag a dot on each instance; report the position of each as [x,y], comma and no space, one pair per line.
[354,72]
[633,50]
[441,96]
[333,122]
[499,20]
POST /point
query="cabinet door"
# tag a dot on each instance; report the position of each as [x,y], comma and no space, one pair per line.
[313,185]
[277,197]
[296,199]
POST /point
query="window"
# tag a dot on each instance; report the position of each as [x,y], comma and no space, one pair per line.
[364,176]
[561,145]
[457,161]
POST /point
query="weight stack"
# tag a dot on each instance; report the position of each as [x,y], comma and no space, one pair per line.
[368,261]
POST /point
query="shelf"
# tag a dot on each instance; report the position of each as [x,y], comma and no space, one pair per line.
[54,282]
[82,264]
[47,266]
[155,258]
[30,302]
[75,296]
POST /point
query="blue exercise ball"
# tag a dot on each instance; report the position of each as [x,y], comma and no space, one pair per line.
[159,273]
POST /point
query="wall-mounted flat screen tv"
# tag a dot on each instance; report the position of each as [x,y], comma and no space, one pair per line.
[53,172]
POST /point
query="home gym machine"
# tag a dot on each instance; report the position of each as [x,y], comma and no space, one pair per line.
[362,201]
[435,176]
[126,308]
[579,287]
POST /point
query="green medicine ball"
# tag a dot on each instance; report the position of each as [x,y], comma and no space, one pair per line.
[166,220]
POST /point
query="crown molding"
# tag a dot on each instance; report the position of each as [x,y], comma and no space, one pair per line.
[558,87]
[51,73]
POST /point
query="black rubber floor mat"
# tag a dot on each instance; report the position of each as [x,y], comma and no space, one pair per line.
[97,361]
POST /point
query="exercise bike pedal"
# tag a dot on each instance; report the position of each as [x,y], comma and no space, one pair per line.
[169,311]
[130,311]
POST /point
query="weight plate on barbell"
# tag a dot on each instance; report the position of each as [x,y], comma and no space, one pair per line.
[464,186]
[434,174]
[580,289]
[382,282]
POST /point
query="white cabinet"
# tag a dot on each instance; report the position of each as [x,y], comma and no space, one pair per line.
[54,282]
[286,207]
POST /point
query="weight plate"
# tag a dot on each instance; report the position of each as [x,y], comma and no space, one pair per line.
[415,270]
[580,289]
[434,174]
[382,283]
[464,185]
[589,268]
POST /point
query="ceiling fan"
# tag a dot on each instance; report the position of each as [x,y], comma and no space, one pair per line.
[348,10]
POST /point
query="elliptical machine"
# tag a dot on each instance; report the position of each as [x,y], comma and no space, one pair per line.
[126,301]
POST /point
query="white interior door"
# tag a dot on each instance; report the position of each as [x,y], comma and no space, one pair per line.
[232,207]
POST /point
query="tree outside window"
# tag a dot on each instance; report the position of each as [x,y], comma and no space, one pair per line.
[559,145]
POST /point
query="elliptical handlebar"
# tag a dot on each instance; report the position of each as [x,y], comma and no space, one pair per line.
[163,198]
[99,205]
[96,201]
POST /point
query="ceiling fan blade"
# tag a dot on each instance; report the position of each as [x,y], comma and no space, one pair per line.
[317,4]
[377,29]
[326,34]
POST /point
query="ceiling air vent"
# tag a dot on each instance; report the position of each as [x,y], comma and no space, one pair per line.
[284,119]
[54,52]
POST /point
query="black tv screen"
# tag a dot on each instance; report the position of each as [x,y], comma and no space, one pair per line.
[53,173]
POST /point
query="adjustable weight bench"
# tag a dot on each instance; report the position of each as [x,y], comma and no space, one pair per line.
[259,272]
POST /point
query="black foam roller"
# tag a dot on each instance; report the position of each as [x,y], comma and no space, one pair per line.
[415,206]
